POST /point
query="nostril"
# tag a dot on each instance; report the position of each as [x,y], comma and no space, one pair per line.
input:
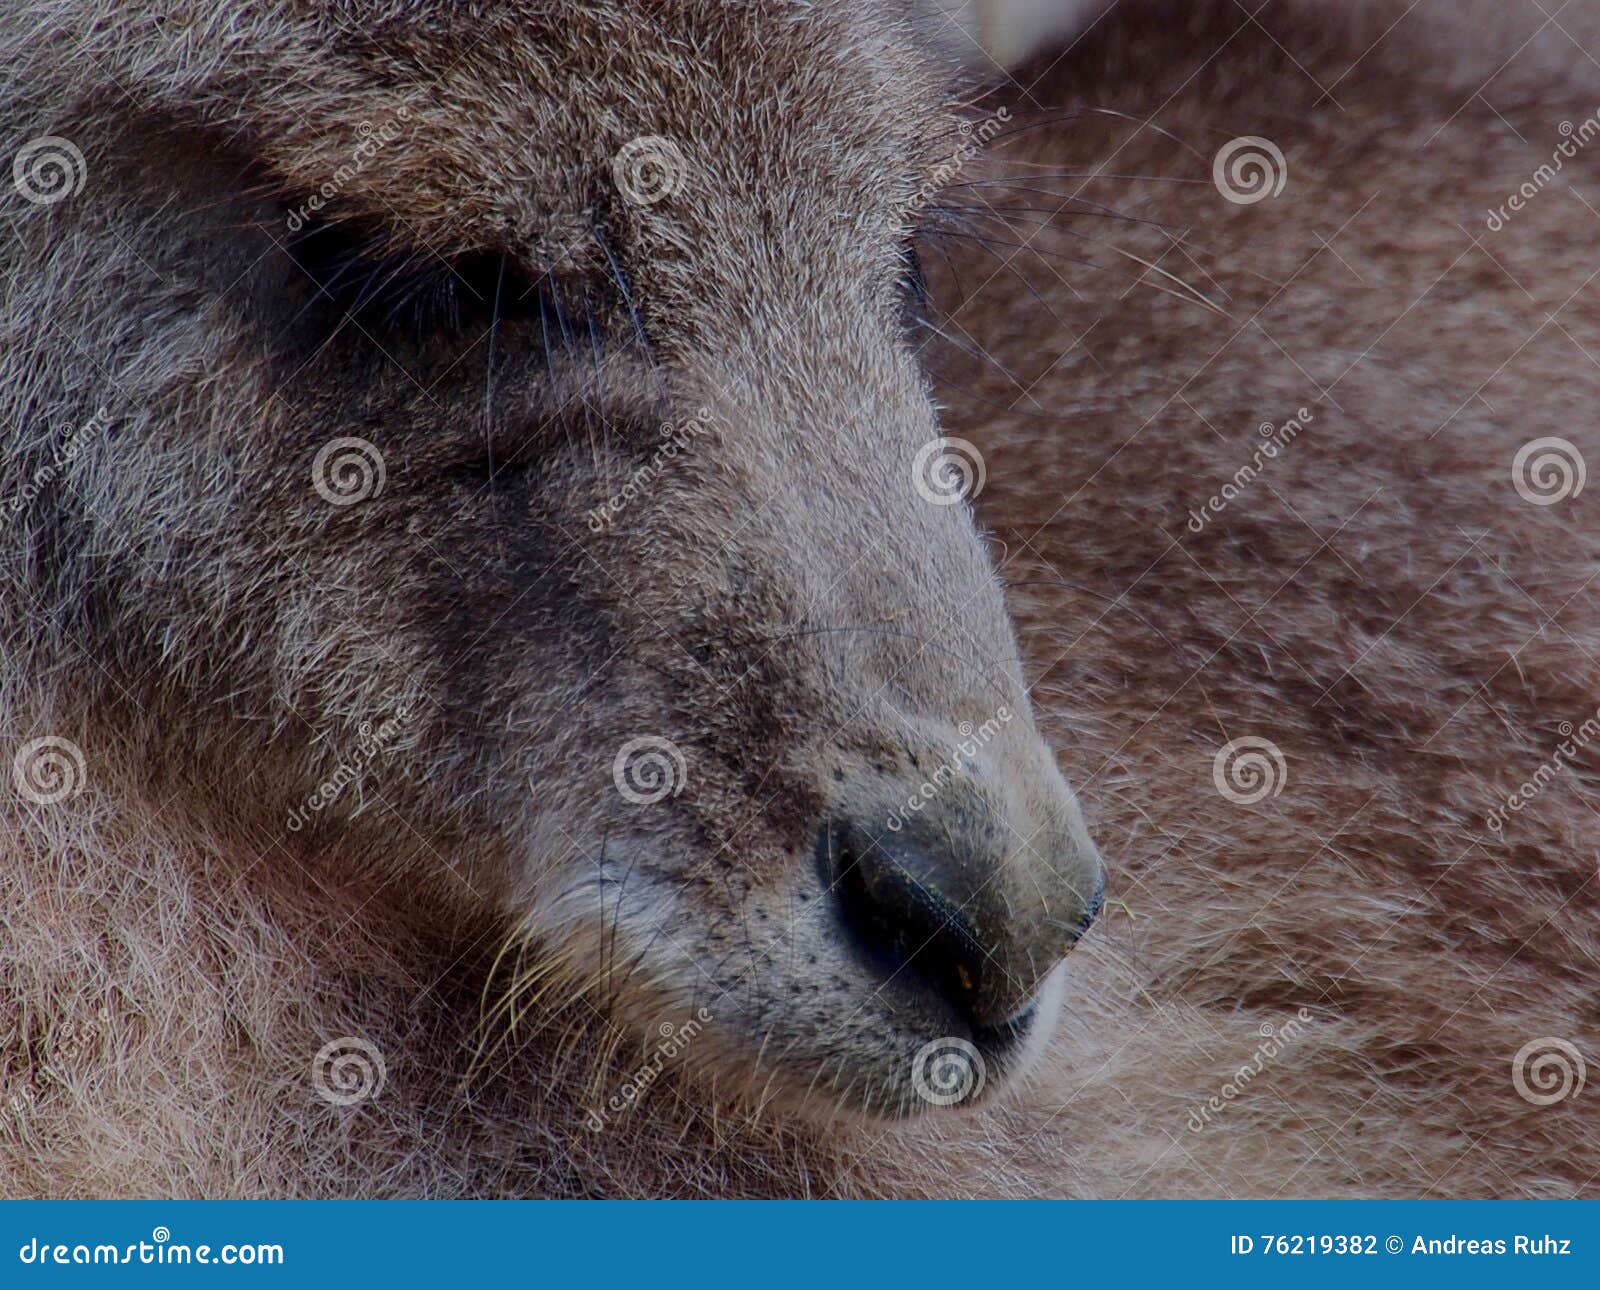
[901,920]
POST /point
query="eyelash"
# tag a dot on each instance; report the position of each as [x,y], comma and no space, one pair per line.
[412,293]
[914,295]
[419,295]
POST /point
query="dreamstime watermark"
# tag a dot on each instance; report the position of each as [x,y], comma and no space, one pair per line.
[1249,770]
[649,769]
[49,770]
[348,470]
[947,471]
[674,1039]
[566,242]
[1274,439]
[18,1100]
[649,169]
[1249,169]
[947,1071]
[51,1055]
[48,169]
[1548,1070]
[72,446]
[1573,740]
[675,438]
[1547,471]
[160,1250]
[972,739]
[373,140]
[372,742]
[348,1070]
[974,136]
[1274,1039]
[1574,138]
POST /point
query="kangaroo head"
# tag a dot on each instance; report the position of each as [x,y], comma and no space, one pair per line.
[488,449]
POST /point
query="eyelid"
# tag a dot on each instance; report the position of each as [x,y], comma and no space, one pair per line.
[913,282]
[363,274]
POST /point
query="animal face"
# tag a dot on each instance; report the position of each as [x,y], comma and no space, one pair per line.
[515,483]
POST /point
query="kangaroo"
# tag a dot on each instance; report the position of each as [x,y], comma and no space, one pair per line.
[505,693]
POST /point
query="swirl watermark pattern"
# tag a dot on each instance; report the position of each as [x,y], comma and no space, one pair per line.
[48,169]
[49,770]
[649,169]
[348,470]
[1547,471]
[1548,1070]
[348,1070]
[1249,169]
[649,769]
[1249,769]
[947,471]
[947,1071]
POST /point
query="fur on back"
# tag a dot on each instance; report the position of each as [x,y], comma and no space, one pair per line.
[1379,603]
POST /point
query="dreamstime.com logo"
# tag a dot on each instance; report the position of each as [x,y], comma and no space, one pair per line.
[947,471]
[48,770]
[160,1250]
[48,169]
[1249,769]
[1249,169]
[648,769]
[649,169]
[1548,1070]
[348,1070]
[1547,471]
[947,1071]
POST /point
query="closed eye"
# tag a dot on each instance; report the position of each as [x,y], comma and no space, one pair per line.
[396,290]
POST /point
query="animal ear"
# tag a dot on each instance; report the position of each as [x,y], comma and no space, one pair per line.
[1007,33]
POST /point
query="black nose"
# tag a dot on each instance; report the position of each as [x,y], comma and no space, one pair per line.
[893,905]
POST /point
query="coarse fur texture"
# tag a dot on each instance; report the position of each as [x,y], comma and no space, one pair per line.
[1379,602]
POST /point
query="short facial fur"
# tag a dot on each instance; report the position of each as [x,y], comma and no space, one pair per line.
[495,311]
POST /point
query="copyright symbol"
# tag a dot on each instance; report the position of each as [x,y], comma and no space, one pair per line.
[1394,1245]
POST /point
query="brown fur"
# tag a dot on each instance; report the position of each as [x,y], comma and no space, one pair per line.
[1381,605]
